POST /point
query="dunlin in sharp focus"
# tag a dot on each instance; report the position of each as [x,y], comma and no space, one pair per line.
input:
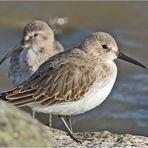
[72,82]
[37,45]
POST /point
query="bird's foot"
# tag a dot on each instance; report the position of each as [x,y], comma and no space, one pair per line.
[79,139]
[74,138]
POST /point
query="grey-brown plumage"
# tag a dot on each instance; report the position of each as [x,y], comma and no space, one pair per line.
[62,80]
[65,77]
[72,78]
[72,82]
[37,45]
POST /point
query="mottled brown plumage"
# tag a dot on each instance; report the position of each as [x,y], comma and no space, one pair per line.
[66,80]
[68,76]
[65,77]
[72,82]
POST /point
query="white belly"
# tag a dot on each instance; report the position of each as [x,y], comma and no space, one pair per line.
[92,98]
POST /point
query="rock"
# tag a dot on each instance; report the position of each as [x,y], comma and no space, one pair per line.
[103,139]
[18,129]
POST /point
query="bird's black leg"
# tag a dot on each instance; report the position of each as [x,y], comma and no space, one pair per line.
[69,122]
[68,129]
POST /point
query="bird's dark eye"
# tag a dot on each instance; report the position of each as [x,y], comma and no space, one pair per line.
[105,46]
[36,34]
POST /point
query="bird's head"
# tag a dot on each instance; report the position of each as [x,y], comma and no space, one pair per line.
[104,47]
[37,34]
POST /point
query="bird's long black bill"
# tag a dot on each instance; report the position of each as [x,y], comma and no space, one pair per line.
[128,59]
[8,54]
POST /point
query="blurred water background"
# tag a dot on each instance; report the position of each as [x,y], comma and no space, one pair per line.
[126,108]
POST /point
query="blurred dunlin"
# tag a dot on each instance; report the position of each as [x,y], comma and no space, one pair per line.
[72,82]
[37,45]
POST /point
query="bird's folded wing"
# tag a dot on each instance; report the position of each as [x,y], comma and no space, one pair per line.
[66,82]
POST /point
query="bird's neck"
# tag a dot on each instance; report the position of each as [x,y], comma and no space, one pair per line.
[33,57]
[39,50]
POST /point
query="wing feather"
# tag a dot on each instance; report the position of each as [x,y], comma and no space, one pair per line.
[66,81]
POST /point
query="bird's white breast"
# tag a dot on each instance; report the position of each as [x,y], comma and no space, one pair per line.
[29,60]
[92,98]
[27,64]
